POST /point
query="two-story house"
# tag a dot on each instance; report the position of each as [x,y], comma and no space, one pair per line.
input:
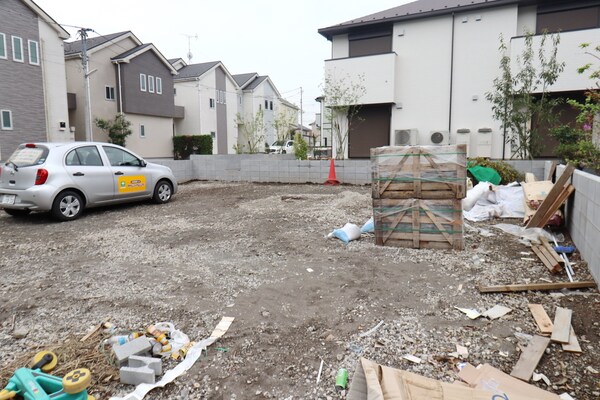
[33,99]
[426,67]
[126,76]
[209,95]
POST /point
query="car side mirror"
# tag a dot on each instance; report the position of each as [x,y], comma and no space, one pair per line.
[143,163]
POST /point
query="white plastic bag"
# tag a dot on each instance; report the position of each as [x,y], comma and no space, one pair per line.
[368,227]
[178,338]
[475,194]
[346,234]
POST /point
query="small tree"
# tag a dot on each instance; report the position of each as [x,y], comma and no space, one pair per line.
[117,129]
[341,98]
[513,101]
[283,123]
[300,147]
[254,130]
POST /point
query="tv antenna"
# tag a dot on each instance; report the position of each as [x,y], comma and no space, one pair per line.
[189,54]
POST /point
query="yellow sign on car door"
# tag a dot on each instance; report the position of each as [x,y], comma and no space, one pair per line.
[129,184]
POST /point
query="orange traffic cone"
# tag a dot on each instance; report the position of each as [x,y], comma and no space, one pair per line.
[332,180]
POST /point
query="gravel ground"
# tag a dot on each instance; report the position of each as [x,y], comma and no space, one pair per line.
[259,253]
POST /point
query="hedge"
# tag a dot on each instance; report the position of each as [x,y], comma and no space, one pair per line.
[185,145]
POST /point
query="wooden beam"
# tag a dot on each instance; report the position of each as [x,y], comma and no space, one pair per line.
[530,358]
[552,170]
[542,319]
[562,325]
[537,286]
[558,187]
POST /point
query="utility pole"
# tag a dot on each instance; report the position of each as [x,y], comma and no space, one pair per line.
[301,124]
[89,136]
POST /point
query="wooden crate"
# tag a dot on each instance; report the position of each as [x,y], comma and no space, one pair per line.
[419,223]
[419,172]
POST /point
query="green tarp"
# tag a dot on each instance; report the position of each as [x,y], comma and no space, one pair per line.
[485,174]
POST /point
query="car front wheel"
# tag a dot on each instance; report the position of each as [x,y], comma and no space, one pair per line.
[162,192]
[67,206]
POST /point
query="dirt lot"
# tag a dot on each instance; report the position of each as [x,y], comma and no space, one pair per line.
[259,253]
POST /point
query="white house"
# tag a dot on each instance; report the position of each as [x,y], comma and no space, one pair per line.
[209,95]
[428,65]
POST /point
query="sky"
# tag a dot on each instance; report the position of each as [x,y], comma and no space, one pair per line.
[277,38]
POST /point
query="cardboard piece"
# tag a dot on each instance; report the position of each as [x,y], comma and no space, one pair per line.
[496,312]
[372,381]
[486,377]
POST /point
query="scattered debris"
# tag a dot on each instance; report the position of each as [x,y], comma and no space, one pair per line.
[537,286]
[372,330]
[542,377]
[473,314]
[530,358]
[541,318]
[555,198]
[573,345]
[562,325]
[496,312]
[412,358]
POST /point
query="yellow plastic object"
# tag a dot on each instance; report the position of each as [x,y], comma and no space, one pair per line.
[5,394]
[90,397]
[77,380]
[48,367]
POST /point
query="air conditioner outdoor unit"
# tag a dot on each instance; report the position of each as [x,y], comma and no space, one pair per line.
[439,138]
[405,137]
[483,143]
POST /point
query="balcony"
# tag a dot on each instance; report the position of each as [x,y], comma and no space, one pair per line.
[377,72]
[569,52]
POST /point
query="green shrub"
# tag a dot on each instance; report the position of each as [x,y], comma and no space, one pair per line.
[507,172]
[186,145]
[300,147]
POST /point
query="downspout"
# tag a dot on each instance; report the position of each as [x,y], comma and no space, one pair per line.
[200,106]
[451,78]
[120,91]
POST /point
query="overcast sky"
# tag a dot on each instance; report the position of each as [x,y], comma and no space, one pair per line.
[272,37]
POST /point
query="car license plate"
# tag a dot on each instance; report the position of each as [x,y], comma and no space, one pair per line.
[7,199]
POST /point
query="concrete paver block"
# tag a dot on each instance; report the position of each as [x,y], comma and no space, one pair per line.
[132,348]
[136,375]
[153,363]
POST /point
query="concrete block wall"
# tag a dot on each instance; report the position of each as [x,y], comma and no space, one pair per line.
[539,168]
[182,169]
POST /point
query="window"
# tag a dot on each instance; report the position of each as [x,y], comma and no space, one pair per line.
[175,91]
[17,43]
[6,117]
[567,19]
[364,44]
[224,97]
[158,85]
[143,82]
[118,157]
[240,100]
[142,131]
[150,84]
[271,105]
[34,57]
[3,46]
[266,104]
[87,155]
[213,135]
[109,93]
[211,103]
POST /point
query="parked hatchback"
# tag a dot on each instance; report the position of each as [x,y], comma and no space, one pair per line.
[66,178]
[282,147]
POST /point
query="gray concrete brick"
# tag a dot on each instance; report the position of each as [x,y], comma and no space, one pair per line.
[136,375]
[155,364]
[133,348]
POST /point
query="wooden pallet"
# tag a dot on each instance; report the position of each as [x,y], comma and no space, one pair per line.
[418,223]
[420,172]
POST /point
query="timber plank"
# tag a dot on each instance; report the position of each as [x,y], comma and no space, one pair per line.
[530,358]
[573,345]
[541,318]
[536,220]
[553,267]
[537,286]
[562,325]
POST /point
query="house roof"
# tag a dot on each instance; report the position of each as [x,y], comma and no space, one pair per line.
[75,47]
[257,81]
[62,33]
[143,48]
[196,70]
[288,104]
[414,10]
[244,79]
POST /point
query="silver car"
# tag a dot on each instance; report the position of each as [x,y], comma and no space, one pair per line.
[65,178]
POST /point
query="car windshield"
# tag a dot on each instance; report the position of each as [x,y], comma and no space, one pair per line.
[278,143]
[28,155]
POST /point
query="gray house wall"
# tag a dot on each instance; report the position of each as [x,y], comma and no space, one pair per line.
[21,84]
[220,84]
[137,102]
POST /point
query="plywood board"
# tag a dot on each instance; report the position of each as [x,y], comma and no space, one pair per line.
[545,207]
[562,325]
[573,345]
[541,318]
[530,358]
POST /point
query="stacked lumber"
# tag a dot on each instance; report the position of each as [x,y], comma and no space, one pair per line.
[559,193]
[548,255]
[416,193]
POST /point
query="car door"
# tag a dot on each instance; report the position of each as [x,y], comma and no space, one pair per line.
[90,174]
[129,174]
